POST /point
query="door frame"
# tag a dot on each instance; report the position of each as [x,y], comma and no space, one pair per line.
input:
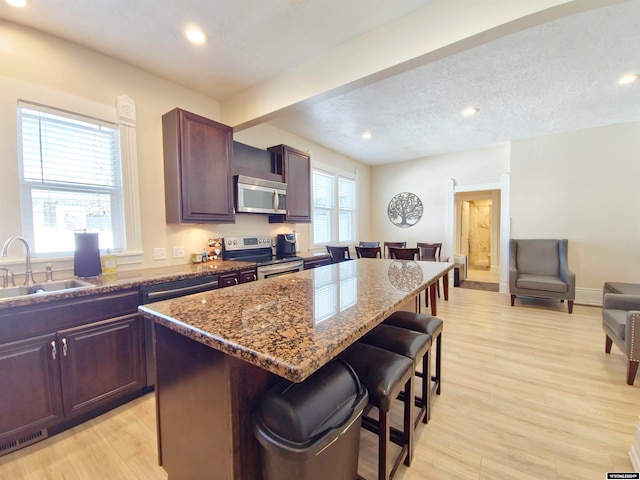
[505,219]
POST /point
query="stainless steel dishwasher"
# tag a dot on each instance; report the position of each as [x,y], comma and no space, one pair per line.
[166,291]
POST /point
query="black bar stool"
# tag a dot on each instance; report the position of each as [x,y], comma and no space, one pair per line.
[431,326]
[411,344]
[385,374]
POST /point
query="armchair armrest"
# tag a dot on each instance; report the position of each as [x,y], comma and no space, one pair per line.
[631,338]
[621,301]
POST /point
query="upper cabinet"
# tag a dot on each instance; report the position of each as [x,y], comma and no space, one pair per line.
[197,169]
[295,168]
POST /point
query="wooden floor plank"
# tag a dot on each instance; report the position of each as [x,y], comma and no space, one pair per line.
[527,393]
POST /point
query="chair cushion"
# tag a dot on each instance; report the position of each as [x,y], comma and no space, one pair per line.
[415,321]
[383,373]
[616,320]
[402,341]
[541,282]
[538,257]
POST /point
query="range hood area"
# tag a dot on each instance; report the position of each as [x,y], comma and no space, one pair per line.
[253,162]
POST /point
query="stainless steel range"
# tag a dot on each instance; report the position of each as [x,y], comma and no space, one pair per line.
[258,249]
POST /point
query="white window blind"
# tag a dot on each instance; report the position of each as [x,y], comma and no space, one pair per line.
[334,208]
[70,176]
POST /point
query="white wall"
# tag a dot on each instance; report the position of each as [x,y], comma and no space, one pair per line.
[46,69]
[582,185]
[427,178]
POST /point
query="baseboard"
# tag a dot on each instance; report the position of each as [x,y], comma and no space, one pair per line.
[589,296]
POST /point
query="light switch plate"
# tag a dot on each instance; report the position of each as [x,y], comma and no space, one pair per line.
[178,252]
[159,253]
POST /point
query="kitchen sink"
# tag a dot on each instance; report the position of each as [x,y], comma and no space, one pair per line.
[45,287]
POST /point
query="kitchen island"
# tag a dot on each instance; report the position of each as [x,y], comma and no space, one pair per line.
[217,352]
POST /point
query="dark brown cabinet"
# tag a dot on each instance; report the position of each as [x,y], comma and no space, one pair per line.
[295,167]
[30,386]
[197,169]
[234,278]
[101,361]
[317,262]
[63,359]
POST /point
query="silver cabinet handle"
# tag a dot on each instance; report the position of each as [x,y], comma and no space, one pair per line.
[64,347]
[54,350]
[275,200]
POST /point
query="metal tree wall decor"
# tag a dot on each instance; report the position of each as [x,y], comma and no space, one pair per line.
[405,210]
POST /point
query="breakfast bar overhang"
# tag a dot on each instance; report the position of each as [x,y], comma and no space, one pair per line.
[217,352]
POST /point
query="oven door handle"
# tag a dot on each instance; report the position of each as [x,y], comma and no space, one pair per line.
[269,269]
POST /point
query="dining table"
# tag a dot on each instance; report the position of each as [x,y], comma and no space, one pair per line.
[218,352]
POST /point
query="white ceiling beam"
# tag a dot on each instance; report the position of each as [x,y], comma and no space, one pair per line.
[440,29]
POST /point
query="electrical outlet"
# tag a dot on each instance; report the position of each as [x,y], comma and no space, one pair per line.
[159,253]
[178,252]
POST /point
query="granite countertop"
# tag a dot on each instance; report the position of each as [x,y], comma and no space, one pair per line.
[128,279]
[291,325]
[134,279]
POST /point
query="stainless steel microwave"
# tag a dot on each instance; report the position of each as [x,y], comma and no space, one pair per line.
[256,195]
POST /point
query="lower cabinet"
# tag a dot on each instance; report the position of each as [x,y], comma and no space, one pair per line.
[234,278]
[317,262]
[87,362]
[31,389]
[100,362]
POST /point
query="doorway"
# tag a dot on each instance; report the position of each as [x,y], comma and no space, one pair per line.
[477,228]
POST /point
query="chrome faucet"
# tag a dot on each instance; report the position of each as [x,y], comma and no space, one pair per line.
[28,274]
[7,278]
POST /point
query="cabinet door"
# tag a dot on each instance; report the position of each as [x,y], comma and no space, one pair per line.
[30,384]
[298,180]
[248,275]
[101,362]
[197,155]
[295,168]
[228,279]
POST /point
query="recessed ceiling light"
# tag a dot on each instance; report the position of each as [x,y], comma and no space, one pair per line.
[467,112]
[195,35]
[17,3]
[628,78]
[367,136]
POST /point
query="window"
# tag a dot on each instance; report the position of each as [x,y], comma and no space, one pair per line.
[70,179]
[334,208]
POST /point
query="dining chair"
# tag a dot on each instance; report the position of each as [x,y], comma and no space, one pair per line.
[369,252]
[404,253]
[388,245]
[369,244]
[437,250]
[429,252]
[339,254]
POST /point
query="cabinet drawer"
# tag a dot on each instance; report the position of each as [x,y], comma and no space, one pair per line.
[39,319]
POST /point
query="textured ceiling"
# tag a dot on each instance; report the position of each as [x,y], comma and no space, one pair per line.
[555,77]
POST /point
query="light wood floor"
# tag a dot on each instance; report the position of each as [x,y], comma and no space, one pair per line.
[528,393]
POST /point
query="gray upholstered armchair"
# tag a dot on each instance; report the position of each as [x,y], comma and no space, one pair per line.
[621,324]
[540,268]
